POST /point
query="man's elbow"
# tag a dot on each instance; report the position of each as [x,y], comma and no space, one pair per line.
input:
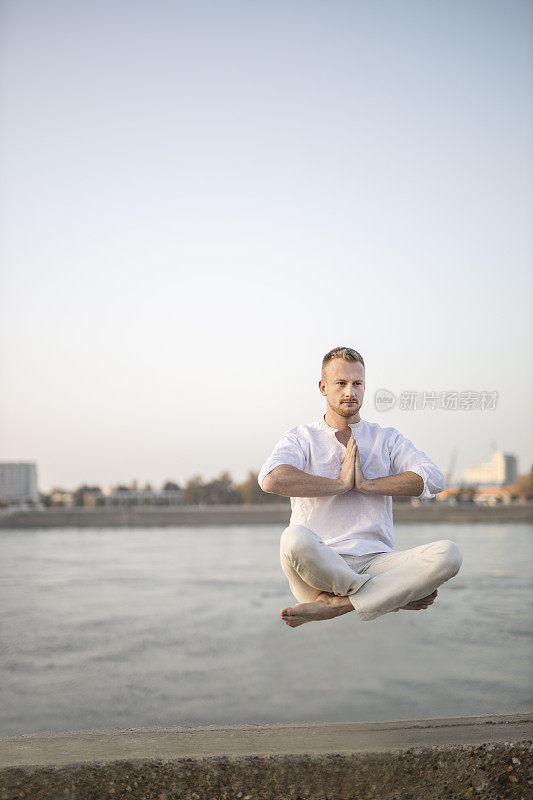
[269,483]
[275,481]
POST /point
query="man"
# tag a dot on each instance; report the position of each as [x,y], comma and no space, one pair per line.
[341,474]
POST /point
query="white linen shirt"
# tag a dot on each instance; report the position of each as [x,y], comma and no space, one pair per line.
[351,523]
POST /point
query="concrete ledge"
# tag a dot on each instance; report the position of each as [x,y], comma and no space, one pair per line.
[268,514]
[147,517]
[485,757]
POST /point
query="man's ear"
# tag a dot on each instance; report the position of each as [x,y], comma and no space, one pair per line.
[322,387]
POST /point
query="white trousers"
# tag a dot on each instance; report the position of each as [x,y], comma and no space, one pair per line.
[375,583]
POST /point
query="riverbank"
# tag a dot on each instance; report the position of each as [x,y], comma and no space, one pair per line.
[485,757]
[274,514]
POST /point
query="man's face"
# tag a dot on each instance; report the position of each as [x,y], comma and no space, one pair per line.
[343,386]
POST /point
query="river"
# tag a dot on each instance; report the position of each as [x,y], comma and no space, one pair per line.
[105,628]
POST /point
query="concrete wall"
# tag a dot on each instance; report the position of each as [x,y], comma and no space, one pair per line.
[275,514]
[488,757]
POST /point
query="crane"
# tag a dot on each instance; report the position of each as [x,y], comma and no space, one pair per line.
[451,466]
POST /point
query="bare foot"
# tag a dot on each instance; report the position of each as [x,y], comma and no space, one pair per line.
[326,606]
[418,605]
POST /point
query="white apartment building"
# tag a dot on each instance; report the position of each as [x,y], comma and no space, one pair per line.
[502,470]
[18,482]
[142,497]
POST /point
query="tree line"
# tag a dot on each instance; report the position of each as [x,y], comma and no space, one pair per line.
[223,490]
[220,491]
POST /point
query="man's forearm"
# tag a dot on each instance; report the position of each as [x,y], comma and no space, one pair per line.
[407,484]
[289,481]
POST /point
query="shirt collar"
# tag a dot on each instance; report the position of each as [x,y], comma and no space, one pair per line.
[354,425]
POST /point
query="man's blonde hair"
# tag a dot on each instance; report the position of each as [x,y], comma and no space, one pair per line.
[346,353]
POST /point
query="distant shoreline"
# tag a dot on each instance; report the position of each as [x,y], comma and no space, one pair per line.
[272,514]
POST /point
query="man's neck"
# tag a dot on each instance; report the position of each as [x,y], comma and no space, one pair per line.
[340,423]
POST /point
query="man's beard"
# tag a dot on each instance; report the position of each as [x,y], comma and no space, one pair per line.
[346,410]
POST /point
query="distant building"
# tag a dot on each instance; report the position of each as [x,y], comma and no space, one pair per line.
[90,497]
[126,496]
[502,470]
[18,483]
[446,495]
[492,495]
[62,498]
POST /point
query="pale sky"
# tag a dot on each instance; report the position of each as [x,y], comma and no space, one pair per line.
[199,199]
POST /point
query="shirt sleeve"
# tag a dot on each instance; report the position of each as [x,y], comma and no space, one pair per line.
[289,450]
[406,458]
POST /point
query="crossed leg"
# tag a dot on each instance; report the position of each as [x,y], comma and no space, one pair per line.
[327,586]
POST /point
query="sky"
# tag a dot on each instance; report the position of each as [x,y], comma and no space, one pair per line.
[200,199]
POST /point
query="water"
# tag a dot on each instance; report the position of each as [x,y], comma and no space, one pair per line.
[180,626]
